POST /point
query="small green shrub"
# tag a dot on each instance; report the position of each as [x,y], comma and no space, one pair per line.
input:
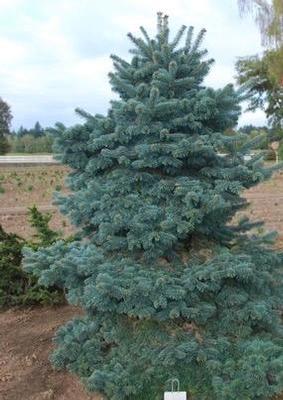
[44,236]
[18,287]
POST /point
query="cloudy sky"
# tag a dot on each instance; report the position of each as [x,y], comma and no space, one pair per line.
[55,53]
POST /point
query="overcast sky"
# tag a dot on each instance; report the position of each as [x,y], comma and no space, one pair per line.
[55,53]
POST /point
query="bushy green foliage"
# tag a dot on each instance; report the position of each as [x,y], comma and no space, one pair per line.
[30,144]
[18,287]
[4,145]
[171,288]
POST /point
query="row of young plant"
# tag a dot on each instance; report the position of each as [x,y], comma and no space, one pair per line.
[18,287]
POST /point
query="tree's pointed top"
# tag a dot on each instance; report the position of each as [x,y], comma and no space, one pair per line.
[159,22]
[165,21]
[162,23]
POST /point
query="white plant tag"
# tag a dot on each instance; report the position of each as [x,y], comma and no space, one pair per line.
[175,396]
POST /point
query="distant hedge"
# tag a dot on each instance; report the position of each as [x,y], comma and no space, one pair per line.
[30,144]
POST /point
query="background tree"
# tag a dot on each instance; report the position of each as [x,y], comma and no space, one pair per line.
[170,286]
[262,76]
[38,130]
[5,121]
[22,131]
[269,17]
[248,129]
[264,90]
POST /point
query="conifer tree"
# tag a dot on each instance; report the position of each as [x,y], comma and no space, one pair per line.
[171,287]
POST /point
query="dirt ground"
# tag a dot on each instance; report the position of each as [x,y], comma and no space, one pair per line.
[25,186]
[25,346]
[266,204]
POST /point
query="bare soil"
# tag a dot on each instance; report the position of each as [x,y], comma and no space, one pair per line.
[25,346]
[25,186]
[266,204]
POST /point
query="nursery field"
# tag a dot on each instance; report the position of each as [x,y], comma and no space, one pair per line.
[25,186]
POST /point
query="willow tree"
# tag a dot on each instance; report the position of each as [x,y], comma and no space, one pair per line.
[269,17]
[262,75]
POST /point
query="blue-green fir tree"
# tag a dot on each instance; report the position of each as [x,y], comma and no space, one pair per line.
[171,287]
